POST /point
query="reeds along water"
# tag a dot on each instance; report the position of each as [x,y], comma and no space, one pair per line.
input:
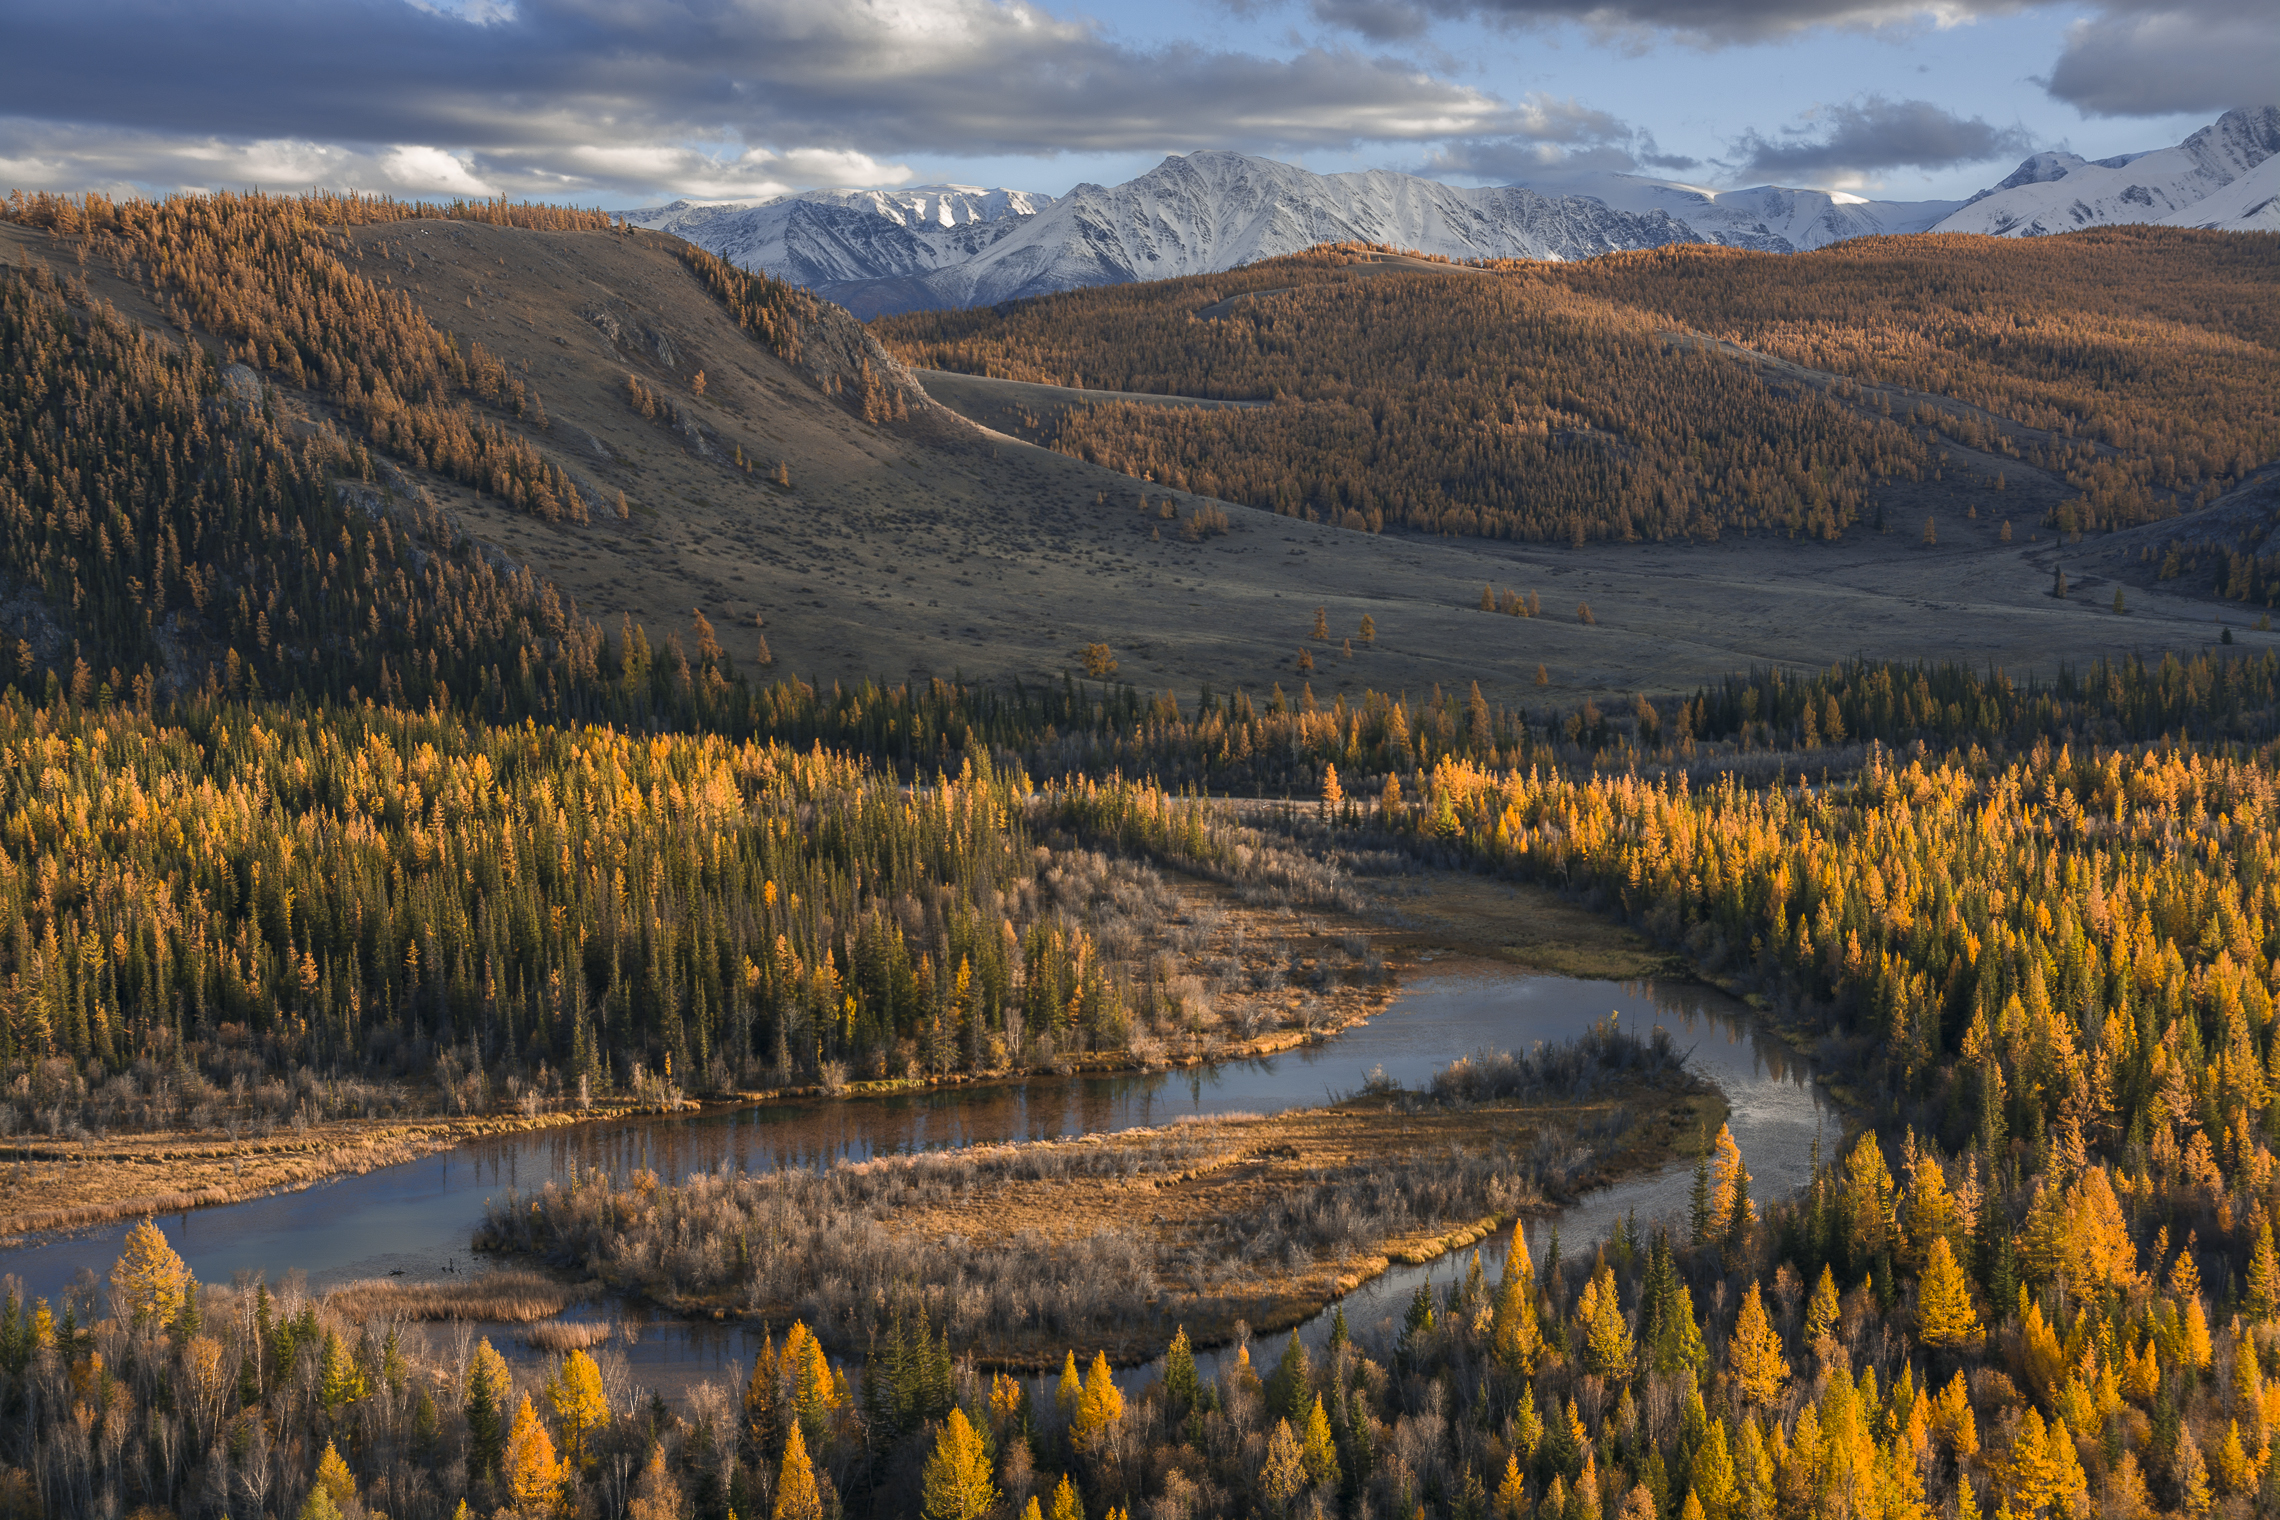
[507,1296]
[558,1336]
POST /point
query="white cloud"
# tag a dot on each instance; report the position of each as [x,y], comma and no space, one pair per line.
[584,98]
[431,171]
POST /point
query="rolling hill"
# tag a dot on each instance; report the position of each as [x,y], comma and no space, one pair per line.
[863,530]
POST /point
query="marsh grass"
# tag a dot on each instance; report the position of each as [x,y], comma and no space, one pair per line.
[557,1336]
[513,1296]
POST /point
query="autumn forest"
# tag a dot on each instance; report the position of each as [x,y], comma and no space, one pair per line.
[316,808]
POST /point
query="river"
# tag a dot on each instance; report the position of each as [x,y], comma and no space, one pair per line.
[417,1218]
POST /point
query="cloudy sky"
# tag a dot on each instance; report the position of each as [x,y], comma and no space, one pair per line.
[628,102]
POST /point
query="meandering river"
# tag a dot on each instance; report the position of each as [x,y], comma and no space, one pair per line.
[417,1218]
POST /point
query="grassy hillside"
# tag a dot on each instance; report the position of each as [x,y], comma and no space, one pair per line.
[2128,373]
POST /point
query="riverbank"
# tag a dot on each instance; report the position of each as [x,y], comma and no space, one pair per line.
[1252,981]
[49,1185]
[1112,1241]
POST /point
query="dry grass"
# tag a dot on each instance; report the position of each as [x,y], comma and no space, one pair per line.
[1524,924]
[1259,1164]
[512,1297]
[558,1336]
[68,1185]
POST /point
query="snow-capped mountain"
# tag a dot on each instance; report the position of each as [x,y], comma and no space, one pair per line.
[935,246]
[1770,218]
[2250,203]
[2219,177]
[1212,211]
[824,236]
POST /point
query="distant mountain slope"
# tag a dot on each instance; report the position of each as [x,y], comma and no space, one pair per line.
[1214,211]
[2183,186]
[1769,218]
[832,235]
[2250,203]
[944,247]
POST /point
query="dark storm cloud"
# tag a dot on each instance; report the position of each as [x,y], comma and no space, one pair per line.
[2132,60]
[1703,22]
[601,92]
[2128,58]
[1876,133]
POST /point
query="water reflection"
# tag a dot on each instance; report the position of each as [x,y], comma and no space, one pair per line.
[417,1218]
[1777,1113]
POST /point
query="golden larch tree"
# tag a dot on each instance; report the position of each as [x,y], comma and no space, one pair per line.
[2264,1274]
[1726,1175]
[1511,1501]
[149,1280]
[957,1478]
[575,1391]
[1753,1355]
[796,1496]
[1821,1310]
[532,1473]
[333,1476]
[1283,1476]
[1944,1316]
[1320,1451]
[1100,1406]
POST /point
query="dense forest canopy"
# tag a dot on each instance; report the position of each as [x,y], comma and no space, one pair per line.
[1561,402]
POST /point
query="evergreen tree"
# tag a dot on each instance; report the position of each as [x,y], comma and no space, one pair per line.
[340,1381]
[1180,1385]
[2263,1274]
[1701,1210]
[487,1382]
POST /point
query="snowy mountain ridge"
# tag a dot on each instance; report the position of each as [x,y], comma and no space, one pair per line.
[822,236]
[936,246]
[1213,211]
[2221,177]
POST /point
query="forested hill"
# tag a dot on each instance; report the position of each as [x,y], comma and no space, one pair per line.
[2128,371]
[241,422]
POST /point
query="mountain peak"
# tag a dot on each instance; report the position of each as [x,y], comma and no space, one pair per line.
[952,245]
[2184,185]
